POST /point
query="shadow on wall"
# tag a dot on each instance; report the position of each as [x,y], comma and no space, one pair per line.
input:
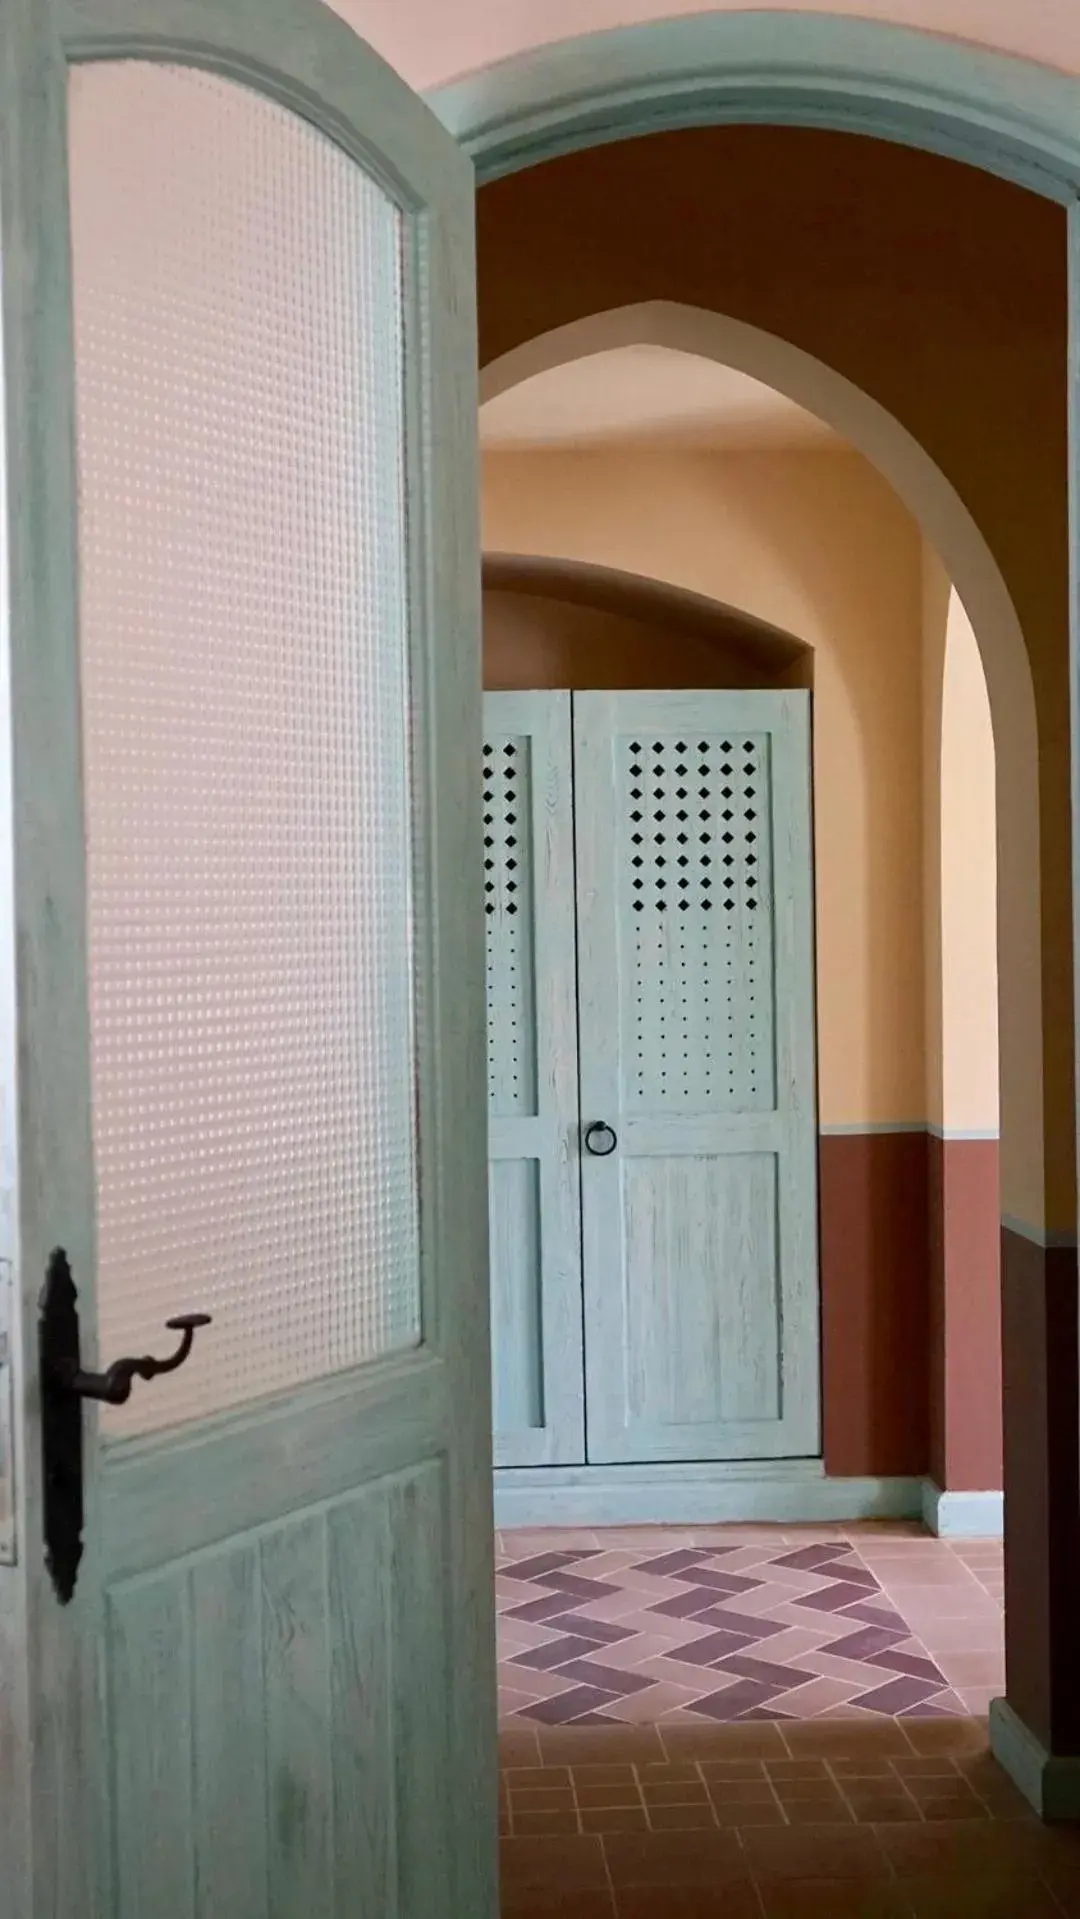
[551,622]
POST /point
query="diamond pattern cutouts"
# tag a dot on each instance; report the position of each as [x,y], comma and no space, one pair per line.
[695,878]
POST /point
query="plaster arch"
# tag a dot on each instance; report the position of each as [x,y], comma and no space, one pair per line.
[431,44]
[952,531]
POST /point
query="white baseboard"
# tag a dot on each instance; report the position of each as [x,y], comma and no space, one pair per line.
[791,1492]
[1049,1783]
[963,1515]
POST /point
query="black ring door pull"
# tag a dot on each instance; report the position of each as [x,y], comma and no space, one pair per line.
[600,1139]
[115,1383]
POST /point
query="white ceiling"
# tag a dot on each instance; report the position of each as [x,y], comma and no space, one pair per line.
[647,395]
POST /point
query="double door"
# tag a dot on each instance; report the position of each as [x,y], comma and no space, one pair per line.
[651,1077]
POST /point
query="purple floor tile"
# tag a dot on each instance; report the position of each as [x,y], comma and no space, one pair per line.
[578,1589]
[811,1559]
[544,1563]
[908,1663]
[685,1605]
[873,1639]
[877,1615]
[667,1564]
[591,1673]
[832,1598]
[549,1606]
[705,1652]
[704,1577]
[763,1673]
[728,1620]
[598,1630]
[745,1696]
[547,1658]
[567,1706]
[896,1696]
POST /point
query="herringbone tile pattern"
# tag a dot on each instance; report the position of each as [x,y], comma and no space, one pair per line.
[739,1625]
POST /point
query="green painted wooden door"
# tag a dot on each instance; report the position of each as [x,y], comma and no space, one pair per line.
[242,974]
[697,1054]
[533,1130]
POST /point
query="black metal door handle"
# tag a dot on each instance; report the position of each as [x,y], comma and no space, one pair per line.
[64,1385]
[115,1383]
[600,1139]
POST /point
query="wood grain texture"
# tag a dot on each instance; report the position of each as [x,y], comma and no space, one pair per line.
[221,1559]
[517,1307]
[697,1019]
[778,1492]
[533,1081]
[228,1709]
[299,1762]
[151,1749]
[285,1698]
[361,1593]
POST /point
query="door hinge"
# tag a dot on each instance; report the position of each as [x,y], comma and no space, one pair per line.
[7,1426]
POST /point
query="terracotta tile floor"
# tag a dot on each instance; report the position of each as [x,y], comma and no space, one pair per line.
[794,1800]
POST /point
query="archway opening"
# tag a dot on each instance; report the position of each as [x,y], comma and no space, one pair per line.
[773,524]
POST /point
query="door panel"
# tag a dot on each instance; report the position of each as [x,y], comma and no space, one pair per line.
[264,1687]
[532,1079]
[698,1354]
[695,960]
[249,997]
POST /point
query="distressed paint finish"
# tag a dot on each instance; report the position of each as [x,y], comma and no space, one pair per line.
[269,1690]
[300,1591]
[697,1016]
[759,1492]
[532,1079]
[1008,115]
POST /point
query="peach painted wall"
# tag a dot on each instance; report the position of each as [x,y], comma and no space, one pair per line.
[960,872]
[430,41]
[964,1274]
[818,544]
[936,595]
[968,888]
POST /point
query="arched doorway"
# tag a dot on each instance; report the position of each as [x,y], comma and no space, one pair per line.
[525,115]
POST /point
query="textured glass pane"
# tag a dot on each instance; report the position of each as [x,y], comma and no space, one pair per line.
[238,318]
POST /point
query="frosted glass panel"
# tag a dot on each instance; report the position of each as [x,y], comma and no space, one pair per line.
[239,353]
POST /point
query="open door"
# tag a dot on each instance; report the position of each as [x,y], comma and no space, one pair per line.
[246,1636]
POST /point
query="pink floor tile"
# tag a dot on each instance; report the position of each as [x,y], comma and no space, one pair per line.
[655,1706]
[819,1696]
[973,1668]
[976,1699]
[962,1635]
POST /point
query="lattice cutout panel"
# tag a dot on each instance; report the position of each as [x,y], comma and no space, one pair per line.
[508,908]
[696,903]
[243,629]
